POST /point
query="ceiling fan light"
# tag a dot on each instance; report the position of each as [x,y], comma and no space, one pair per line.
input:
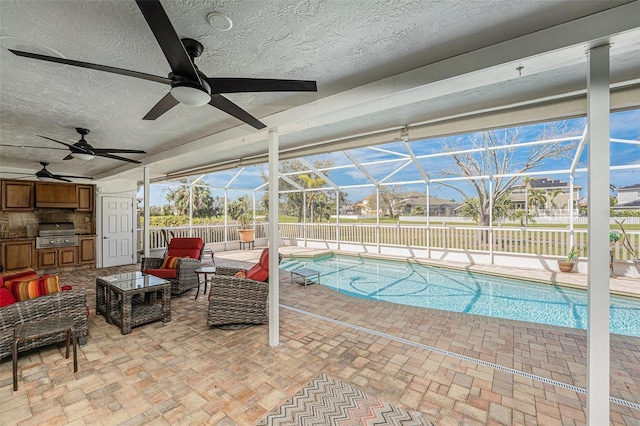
[189,94]
[82,156]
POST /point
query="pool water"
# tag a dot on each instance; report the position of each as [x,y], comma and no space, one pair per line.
[462,291]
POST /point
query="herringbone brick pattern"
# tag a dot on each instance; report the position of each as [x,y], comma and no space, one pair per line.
[184,372]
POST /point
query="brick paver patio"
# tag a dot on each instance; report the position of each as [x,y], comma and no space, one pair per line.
[184,372]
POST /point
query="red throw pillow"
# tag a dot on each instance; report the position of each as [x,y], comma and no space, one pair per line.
[170,262]
[257,273]
[41,286]
[6,298]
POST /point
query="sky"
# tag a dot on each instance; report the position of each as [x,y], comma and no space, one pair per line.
[393,156]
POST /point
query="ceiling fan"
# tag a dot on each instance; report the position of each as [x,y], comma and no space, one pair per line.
[83,151]
[47,176]
[189,85]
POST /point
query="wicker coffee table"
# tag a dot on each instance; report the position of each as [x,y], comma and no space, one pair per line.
[115,299]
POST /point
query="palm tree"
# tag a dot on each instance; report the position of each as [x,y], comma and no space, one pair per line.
[536,197]
[552,198]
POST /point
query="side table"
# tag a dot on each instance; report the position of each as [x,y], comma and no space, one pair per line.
[243,244]
[206,270]
[41,329]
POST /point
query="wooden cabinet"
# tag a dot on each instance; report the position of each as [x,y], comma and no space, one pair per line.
[57,257]
[60,195]
[87,249]
[18,254]
[84,194]
[17,195]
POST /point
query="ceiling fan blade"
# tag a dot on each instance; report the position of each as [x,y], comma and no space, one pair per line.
[168,39]
[74,177]
[97,67]
[63,143]
[237,85]
[58,177]
[68,157]
[33,146]
[120,151]
[163,105]
[224,104]
[116,157]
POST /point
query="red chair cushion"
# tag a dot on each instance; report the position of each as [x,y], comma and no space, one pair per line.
[185,247]
[264,259]
[162,273]
[258,273]
[6,298]
[25,275]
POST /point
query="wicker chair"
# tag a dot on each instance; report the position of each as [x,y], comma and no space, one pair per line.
[236,302]
[183,278]
[70,304]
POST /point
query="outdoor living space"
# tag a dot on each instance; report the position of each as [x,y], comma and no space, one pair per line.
[455,368]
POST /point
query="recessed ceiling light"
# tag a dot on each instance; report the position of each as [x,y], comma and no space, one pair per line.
[219,21]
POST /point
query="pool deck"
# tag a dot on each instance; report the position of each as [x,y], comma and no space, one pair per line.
[458,369]
[619,285]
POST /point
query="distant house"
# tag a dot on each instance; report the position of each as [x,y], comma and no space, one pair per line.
[628,198]
[437,206]
[555,191]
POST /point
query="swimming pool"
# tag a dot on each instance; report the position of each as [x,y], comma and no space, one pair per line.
[462,291]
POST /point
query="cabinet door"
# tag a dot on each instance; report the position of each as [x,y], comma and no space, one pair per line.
[17,195]
[18,254]
[85,198]
[87,246]
[47,258]
[67,256]
[62,195]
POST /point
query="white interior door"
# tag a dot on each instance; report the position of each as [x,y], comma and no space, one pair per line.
[117,231]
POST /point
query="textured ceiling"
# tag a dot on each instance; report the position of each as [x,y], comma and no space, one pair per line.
[351,48]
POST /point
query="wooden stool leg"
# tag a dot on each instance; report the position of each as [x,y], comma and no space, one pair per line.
[66,352]
[75,350]
[15,362]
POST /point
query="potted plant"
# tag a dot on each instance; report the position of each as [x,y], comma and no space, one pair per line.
[568,264]
[245,228]
[626,243]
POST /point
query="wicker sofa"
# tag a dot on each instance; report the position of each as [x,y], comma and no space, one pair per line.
[67,303]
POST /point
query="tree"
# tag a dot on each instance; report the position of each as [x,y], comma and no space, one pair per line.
[493,164]
[551,195]
[203,203]
[501,207]
[238,207]
[320,199]
[536,197]
[390,195]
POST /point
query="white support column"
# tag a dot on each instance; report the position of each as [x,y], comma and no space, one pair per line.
[378,218]
[428,213]
[490,239]
[226,218]
[191,210]
[274,272]
[572,236]
[304,217]
[338,218]
[145,232]
[598,338]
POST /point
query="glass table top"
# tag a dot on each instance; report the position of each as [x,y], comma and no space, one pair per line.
[133,280]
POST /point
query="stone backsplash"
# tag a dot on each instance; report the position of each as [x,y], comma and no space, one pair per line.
[25,224]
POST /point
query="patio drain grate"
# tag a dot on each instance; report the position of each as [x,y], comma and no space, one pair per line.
[462,357]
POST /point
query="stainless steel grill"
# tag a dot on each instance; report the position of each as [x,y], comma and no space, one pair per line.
[60,234]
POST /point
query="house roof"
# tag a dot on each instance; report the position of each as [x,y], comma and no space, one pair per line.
[629,187]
